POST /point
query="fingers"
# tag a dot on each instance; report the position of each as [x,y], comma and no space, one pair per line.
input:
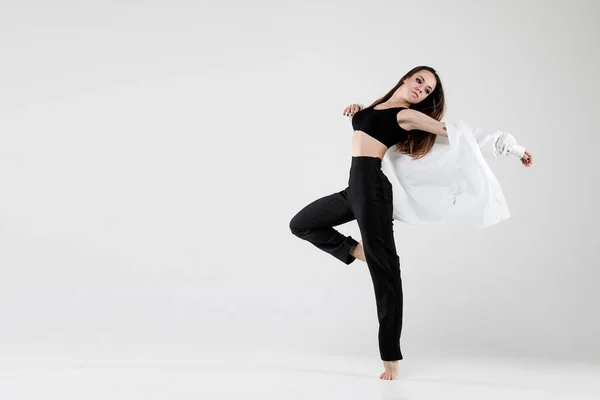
[351,110]
[527,159]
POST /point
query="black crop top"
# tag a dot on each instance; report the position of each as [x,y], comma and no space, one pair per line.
[380,124]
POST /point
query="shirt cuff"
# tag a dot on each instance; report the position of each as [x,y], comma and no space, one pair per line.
[517,150]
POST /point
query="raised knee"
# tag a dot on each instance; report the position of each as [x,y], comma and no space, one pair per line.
[296,229]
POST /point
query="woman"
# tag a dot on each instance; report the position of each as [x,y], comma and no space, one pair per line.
[408,117]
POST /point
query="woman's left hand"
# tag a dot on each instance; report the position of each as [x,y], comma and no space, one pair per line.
[527,159]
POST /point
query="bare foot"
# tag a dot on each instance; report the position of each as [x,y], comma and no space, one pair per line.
[359,252]
[391,370]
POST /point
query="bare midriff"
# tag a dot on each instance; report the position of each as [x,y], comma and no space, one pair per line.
[365,145]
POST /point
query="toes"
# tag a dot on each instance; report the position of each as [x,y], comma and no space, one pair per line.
[387,376]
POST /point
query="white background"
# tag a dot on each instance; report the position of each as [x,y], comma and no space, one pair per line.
[152,154]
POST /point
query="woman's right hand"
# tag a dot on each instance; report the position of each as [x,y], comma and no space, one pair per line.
[351,110]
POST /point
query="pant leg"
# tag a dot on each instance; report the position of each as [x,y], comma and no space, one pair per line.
[315,223]
[370,195]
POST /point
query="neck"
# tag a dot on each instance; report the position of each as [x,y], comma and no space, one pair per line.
[398,102]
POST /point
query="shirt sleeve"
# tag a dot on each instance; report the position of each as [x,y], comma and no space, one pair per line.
[497,143]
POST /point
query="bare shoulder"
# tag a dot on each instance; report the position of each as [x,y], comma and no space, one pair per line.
[405,118]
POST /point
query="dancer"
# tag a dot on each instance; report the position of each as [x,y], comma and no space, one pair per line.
[408,117]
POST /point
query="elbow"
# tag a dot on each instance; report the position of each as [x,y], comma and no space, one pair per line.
[428,124]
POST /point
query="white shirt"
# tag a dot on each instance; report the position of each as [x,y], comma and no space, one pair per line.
[453,183]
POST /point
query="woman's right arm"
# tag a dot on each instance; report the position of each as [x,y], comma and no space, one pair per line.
[412,119]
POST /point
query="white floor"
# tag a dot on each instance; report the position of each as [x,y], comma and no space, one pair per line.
[184,375]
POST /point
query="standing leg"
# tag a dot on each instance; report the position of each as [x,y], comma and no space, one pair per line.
[370,194]
[315,223]
[384,267]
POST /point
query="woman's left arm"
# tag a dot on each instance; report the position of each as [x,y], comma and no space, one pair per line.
[414,119]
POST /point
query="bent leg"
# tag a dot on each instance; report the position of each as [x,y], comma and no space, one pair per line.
[315,223]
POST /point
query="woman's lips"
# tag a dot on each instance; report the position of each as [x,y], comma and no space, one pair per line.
[416,95]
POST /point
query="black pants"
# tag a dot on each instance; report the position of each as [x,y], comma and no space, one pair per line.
[368,199]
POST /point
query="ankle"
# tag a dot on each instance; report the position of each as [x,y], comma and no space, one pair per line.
[353,250]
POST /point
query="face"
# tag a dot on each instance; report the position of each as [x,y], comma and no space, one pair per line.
[419,86]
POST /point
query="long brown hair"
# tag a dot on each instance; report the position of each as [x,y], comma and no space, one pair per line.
[420,142]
